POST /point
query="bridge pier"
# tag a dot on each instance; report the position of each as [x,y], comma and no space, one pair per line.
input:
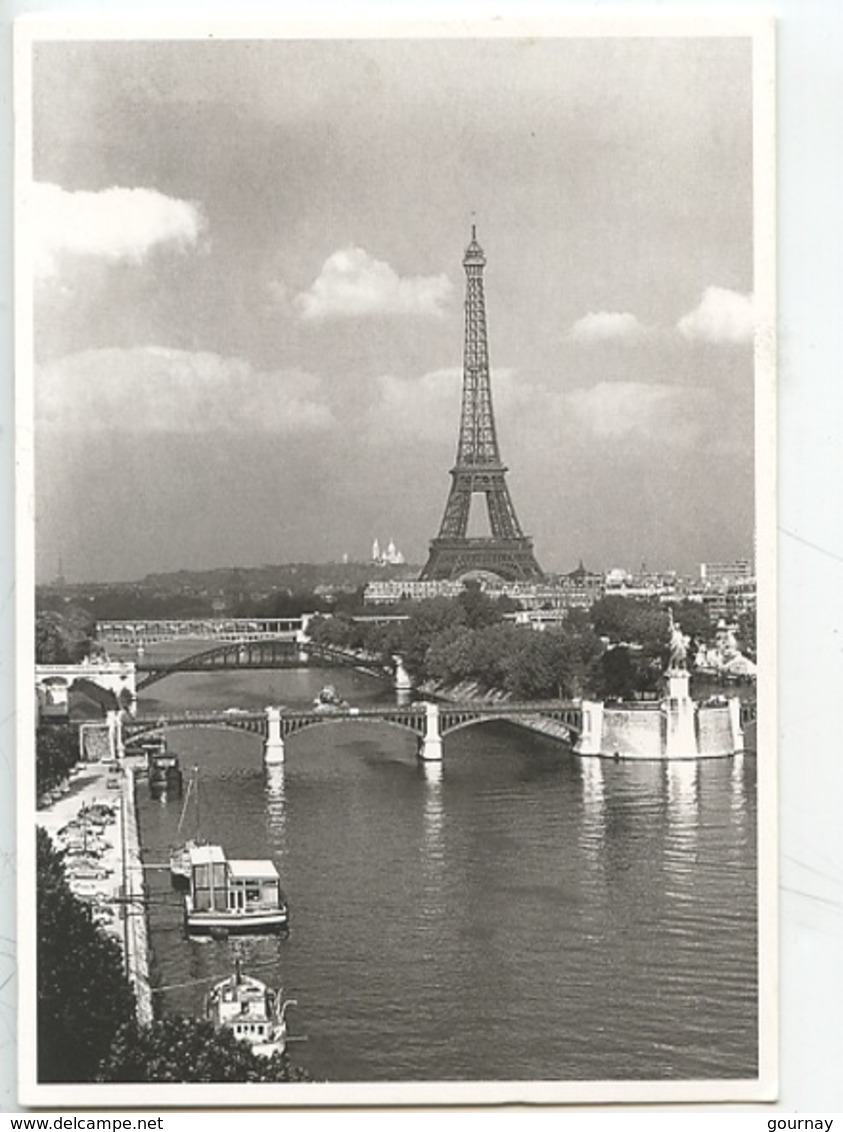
[273,748]
[590,741]
[430,748]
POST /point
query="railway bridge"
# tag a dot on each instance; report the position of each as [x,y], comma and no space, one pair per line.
[263,652]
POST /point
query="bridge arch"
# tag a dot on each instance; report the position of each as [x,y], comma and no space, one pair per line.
[264,653]
[571,731]
[296,726]
[137,734]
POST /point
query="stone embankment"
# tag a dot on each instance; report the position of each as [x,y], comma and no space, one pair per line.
[137,934]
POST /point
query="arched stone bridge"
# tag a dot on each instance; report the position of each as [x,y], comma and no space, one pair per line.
[280,652]
[431,722]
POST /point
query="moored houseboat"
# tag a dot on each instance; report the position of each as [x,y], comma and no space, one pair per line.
[228,896]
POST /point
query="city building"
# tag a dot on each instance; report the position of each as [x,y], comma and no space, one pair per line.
[408,589]
[715,573]
[620,583]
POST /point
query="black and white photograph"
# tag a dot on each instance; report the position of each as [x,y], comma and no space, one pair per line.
[396,568]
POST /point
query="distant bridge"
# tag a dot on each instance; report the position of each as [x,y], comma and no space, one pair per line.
[200,628]
[430,722]
[261,654]
[143,633]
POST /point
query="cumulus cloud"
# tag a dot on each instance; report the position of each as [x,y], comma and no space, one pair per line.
[721,316]
[157,390]
[113,224]
[352,283]
[428,407]
[640,410]
[607,326]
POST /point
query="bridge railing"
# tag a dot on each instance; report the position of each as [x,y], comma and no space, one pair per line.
[418,707]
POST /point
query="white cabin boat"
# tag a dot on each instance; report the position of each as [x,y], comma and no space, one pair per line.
[251,1010]
[229,897]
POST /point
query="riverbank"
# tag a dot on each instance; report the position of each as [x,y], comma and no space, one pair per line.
[468,691]
[95,823]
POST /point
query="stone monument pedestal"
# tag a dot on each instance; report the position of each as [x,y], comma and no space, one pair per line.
[680,736]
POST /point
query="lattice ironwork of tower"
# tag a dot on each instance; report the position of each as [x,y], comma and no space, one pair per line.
[506,551]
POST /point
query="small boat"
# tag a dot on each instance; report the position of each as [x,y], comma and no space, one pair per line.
[329,700]
[251,1010]
[228,896]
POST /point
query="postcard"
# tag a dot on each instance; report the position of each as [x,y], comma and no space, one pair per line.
[396,561]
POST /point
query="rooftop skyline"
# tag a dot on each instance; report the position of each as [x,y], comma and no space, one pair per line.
[248,303]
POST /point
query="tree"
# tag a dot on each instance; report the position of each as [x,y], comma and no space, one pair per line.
[693,619]
[535,669]
[450,657]
[480,610]
[631,621]
[83,994]
[747,633]
[582,652]
[427,619]
[618,675]
[63,638]
[384,640]
[191,1050]
[55,754]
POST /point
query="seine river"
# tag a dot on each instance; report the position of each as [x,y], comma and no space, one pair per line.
[517,913]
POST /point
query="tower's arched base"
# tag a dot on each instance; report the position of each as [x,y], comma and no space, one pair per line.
[510,559]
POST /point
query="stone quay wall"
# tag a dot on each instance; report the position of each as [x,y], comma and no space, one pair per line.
[134,895]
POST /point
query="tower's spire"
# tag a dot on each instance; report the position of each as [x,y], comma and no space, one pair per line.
[478,468]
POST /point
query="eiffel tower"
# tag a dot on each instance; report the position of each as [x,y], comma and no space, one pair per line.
[507,552]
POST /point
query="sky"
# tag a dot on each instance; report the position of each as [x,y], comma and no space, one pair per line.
[248,296]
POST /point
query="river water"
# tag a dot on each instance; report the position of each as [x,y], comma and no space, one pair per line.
[515,913]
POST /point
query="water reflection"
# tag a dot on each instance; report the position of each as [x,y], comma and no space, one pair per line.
[738,793]
[432,853]
[594,804]
[432,771]
[682,816]
[433,811]
[276,805]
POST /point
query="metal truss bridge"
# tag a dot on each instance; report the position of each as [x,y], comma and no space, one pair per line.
[263,653]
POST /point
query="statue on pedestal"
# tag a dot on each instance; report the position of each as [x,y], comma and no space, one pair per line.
[678,647]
